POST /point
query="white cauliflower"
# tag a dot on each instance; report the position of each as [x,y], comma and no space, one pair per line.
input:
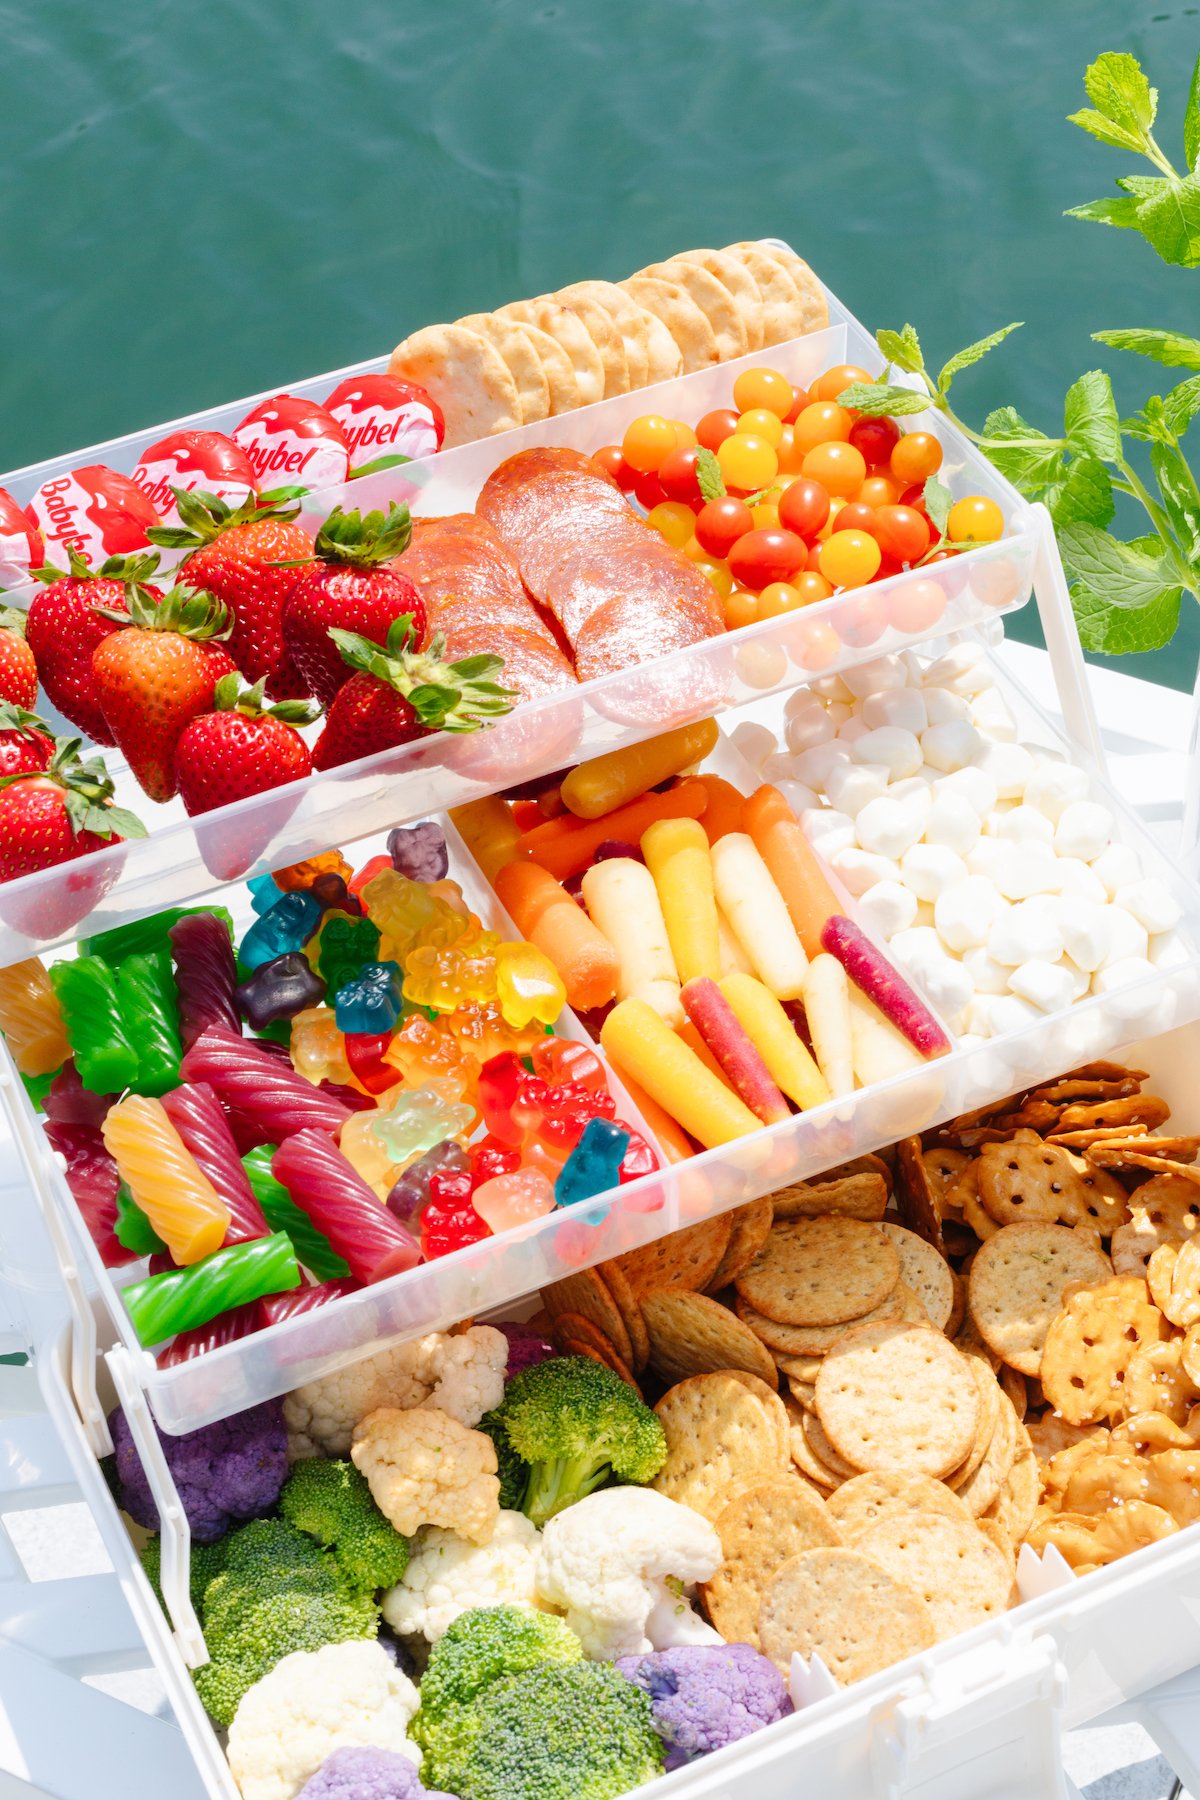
[618,1563]
[447,1576]
[312,1703]
[424,1468]
[462,1374]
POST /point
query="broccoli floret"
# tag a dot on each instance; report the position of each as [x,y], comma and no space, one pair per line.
[207,1561]
[578,1425]
[480,1647]
[332,1502]
[513,1473]
[573,1731]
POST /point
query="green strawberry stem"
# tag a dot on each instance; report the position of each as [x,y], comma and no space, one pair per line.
[230,695]
[205,516]
[130,571]
[444,696]
[17,718]
[87,790]
[363,543]
[189,612]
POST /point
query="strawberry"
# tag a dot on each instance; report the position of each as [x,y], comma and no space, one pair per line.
[18,670]
[55,816]
[398,694]
[348,588]
[248,557]
[26,742]
[158,673]
[64,625]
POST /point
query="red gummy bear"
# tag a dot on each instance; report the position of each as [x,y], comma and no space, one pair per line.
[500,1081]
[448,1220]
[364,1053]
[558,1060]
[639,1158]
[568,1108]
[489,1157]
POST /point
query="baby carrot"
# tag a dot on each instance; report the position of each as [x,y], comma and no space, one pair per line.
[598,787]
[724,810]
[794,865]
[545,913]
[565,850]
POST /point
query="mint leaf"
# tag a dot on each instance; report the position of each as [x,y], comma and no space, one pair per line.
[1090,417]
[973,354]
[1181,405]
[878,399]
[1177,486]
[1191,122]
[1169,220]
[1122,630]
[938,501]
[902,348]
[1120,574]
[709,479]
[1085,495]
[1173,348]
[1121,212]
[1115,136]
[1117,88]
[1029,459]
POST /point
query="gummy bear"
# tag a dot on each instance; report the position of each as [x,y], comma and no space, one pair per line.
[334,895]
[481,1032]
[500,1084]
[508,1200]
[365,1054]
[370,869]
[263,893]
[279,989]
[567,1110]
[342,947]
[449,1220]
[303,874]
[317,1047]
[528,986]
[372,1002]
[425,1054]
[639,1158]
[419,851]
[489,1157]
[444,977]
[558,1060]
[410,1190]
[360,1145]
[418,1119]
[287,926]
[594,1164]
[408,914]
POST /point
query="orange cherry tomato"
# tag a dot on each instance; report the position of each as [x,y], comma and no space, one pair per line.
[843,375]
[765,515]
[976,519]
[915,456]
[903,533]
[715,427]
[789,452]
[765,388]
[799,402]
[838,467]
[685,437]
[811,586]
[673,521]
[718,574]
[821,423]
[849,558]
[761,422]
[876,490]
[778,597]
[740,609]
[647,441]
[813,644]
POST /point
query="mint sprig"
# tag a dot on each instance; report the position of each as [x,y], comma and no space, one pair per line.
[1164,207]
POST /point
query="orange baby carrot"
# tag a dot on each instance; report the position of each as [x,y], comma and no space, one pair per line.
[724,810]
[545,913]
[571,850]
[795,867]
[549,831]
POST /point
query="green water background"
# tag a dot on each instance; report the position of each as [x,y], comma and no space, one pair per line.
[201,200]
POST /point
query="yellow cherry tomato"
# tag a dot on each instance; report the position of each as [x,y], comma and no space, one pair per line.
[761,422]
[820,423]
[975,519]
[778,597]
[647,442]
[673,521]
[747,462]
[685,437]
[838,467]
[766,516]
[849,558]
[740,609]
[693,549]
[719,574]
[763,388]
[789,452]
[877,490]
[829,385]
[915,457]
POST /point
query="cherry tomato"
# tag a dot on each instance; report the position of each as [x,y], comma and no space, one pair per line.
[789,452]
[674,521]
[903,533]
[952,579]
[916,605]
[677,474]
[647,442]
[849,558]
[765,388]
[765,515]
[718,574]
[862,618]
[647,491]
[685,437]
[913,496]
[694,550]
[762,557]
[999,583]
[838,467]
[813,644]
[761,422]
[740,609]
[812,561]
[854,516]
[888,566]
[800,401]
[811,586]
[778,597]
[747,462]
[715,427]
[720,523]
[612,460]
[804,507]
[877,490]
[820,423]
[829,385]
[975,519]
[915,456]
[876,438]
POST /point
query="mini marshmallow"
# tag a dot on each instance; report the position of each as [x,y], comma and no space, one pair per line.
[990,714]
[1026,932]
[887,908]
[1167,949]
[805,730]
[839,711]
[1010,766]
[1121,973]
[963,669]
[1046,985]
[978,1019]
[942,707]
[986,858]
[1126,937]
[896,748]
[872,677]
[1077,882]
[952,746]
[851,730]
[989,976]
[924,914]
[1021,824]
[1081,981]
[952,822]
[812,766]
[913,665]
[1084,829]
[830,687]
[972,785]
[827,829]
[1010,1013]
[919,787]
[966,914]
[1152,904]
[1054,786]
[901,707]
[859,870]
[1116,866]
[889,827]
[1086,933]
[929,869]
[1024,869]
[777,768]
[802,700]
[947,986]
[916,942]
[850,786]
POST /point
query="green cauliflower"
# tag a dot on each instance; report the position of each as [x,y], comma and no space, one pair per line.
[561,1731]
[331,1502]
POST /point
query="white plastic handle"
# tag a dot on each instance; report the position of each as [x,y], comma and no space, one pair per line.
[1062,642]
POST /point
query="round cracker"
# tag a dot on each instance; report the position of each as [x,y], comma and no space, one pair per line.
[1015,1506]
[768,1394]
[603,332]
[568,330]
[989,1412]
[749,1229]
[628,318]
[927,1274]
[466,375]
[980,1488]
[626,1303]
[607,1357]
[557,368]
[813,1340]
[963,1578]
[782,308]
[865,1499]
[585,1293]
[1015,1290]
[735,276]
[802,1454]
[524,364]
[714,300]
[687,1258]
[820,1271]
[719,1441]
[693,1335]
[673,305]
[845,1608]
[760,1530]
[823,1450]
[811,293]
[894,1396]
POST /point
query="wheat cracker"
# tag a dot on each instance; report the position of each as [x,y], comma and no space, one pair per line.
[687,1258]
[1016,1286]
[691,1334]
[585,1293]
[813,1340]
[749,1229]
[467,377]
[820,1271]
[772,1402]
[1015,1505]
[628,1306]
[761,1529]
[925,1272]
[859,1196]
[896,1396]
[980,1488]
[863,1500]
[719,1440]
[989,1412]
[845,1608]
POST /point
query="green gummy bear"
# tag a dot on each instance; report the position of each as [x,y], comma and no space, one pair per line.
[346,945]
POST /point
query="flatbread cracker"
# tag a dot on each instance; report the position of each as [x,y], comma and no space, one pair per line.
[783,310]
[674,306]
[760,1529]
[603,332]
[467,377]
[629,319]
[568,330]
[812,294]
[820,1271]
[735,276]
[845,1608]
[714,300]
[522,360]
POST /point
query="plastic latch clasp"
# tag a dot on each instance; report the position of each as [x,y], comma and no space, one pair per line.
[985,1726]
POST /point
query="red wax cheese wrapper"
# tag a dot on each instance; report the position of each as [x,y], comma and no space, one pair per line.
[20,543]
[207,460]
[294,443]
[94,511]
[384,416]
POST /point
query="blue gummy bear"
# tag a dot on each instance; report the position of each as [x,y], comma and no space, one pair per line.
[287,926]
[263,893]
[373,1001]
[594,1165]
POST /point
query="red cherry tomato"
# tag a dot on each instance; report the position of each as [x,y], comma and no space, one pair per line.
[902,531]
[678,476]
[803,507]
[715,427]
[720,523]
[648,491]
[797,407]
[855,516]
[876,438]
[761,557]
[861,619]
[612,460]
[913,496]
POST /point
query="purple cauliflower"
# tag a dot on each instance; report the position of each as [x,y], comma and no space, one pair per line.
[704,1696]
[525,1347]
[226,1472]
[367,1774]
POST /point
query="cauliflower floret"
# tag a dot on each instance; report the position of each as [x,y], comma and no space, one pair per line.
[424,1468]
[447,1576]
[617,1563]
[461,1374]
[311,1703]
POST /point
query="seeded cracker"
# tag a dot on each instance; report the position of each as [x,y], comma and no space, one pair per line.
[626,1303]
[898,1397]
[759,1531]
[845,1608]
[688,1258]
[925,1272]
[820,1271]
[693,1335]
[1016,1287]
[719,1441]
[813,1340]
[586,1293]
[749,1229]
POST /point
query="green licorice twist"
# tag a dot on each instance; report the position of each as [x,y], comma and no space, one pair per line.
[149,1005]
[282,1214]
[144,934]
[105,1057]
[181,1299]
